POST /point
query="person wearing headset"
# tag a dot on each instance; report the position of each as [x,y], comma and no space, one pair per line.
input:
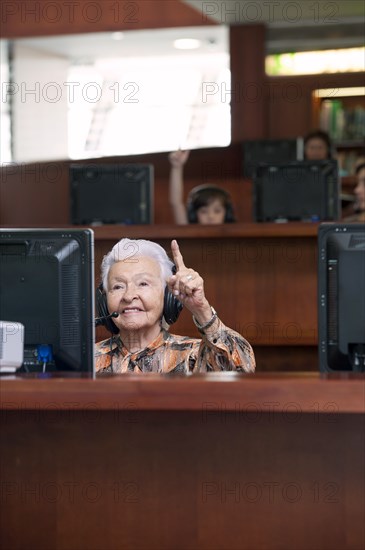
[144,291]
[317,146]
[358,215]
[206,204]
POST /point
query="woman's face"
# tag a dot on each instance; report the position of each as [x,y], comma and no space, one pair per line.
[211,214]
[316,149]
[136,292]
[360,190]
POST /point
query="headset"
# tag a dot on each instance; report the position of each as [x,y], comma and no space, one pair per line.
[199,197]
[171,308]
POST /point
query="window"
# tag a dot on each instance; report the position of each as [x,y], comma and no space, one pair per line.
[143,105]
[318,62]
[5,128]
[111,94]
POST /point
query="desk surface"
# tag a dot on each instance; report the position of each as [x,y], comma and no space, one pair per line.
[278,392]
[194,231]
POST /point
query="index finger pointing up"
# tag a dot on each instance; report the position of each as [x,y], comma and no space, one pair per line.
[176,255]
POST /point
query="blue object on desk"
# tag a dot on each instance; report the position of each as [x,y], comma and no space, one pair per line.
[44,353]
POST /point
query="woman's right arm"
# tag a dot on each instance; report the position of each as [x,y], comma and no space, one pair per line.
[176,186]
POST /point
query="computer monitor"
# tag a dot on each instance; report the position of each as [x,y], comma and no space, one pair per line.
[296,191]
[341,297]
[47,284]
[111,194]
[260,151]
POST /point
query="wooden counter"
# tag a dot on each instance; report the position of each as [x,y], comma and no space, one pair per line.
[195,231]
[199,463]
[307,392]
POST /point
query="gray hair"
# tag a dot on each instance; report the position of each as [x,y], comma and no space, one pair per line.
[127,250]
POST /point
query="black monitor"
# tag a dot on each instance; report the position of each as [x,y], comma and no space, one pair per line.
[341,297]
[47,284]
[296,191]
[260,151]
[111,194]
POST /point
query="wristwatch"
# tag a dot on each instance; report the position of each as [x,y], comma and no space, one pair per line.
[207,325]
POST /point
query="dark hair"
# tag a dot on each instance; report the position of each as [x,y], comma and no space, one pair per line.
[361,166]
[323,136]
[202,195]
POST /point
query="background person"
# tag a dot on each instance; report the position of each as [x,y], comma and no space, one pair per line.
[359,192]
[317,146]
[206,204]
[135,274]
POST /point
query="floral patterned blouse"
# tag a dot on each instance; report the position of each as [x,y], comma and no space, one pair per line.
[224,350]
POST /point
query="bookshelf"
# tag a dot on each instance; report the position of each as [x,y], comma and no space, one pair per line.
[343,117]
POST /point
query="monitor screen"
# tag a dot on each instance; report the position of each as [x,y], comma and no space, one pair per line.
[296,191]
[270,151]
[111,194]
[341,297]
[47,284]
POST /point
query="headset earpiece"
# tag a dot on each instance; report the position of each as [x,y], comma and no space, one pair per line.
[102,309]
[229,217]
[191,213]
[171,305]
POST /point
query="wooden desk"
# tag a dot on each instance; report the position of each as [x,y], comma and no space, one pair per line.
[261,278]
[204,462]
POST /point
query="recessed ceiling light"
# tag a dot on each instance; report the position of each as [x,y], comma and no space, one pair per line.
[187,44]
[117,35]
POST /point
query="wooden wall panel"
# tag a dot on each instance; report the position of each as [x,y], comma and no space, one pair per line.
[248,104]
[290,103]
[41,18]
[38,194]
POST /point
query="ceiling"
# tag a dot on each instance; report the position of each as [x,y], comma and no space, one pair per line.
[294,26]
[291,26]
[140,43]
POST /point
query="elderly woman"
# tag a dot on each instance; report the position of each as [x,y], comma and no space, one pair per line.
[134,276]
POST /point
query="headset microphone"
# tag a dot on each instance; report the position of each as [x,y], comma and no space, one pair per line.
[100,320]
